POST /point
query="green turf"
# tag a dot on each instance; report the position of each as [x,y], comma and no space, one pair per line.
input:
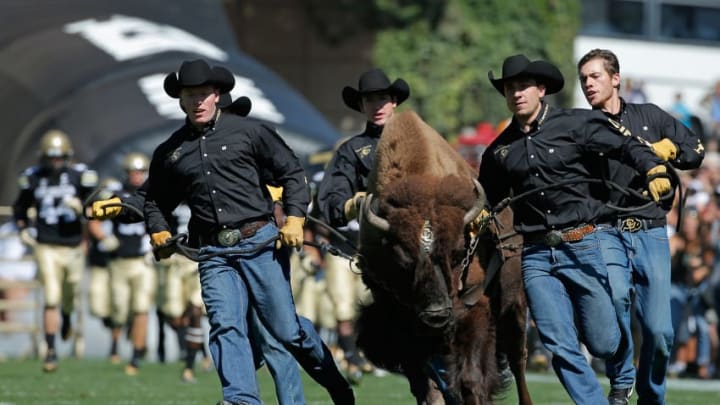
[97,382]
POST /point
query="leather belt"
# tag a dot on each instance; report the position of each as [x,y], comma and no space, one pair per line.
[555,238]
[231,236]
[634,224]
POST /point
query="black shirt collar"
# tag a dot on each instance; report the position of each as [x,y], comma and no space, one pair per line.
[373,129]
[210,125]
[538,121]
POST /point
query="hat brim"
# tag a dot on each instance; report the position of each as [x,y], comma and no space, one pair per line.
[241,106]
[543,72]
[221,78]
[353,97]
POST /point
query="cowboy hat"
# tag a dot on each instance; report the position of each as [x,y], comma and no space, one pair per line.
[519,65]
[240,107]
[198,73]
[374,81]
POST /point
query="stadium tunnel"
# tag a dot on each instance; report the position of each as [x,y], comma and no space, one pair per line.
[95,71]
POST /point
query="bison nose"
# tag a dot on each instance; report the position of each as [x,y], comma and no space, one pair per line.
[436,316]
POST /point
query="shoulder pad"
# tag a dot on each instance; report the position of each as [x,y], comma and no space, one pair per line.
[24,181]
[89,179]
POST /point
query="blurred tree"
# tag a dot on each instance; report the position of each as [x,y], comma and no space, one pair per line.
[444,48]
[446,63]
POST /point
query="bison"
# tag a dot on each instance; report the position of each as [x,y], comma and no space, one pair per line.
[428,319]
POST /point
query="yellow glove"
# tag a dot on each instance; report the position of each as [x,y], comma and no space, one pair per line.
[352,205]
[658,186]
[158,239]
[100,211]
[665,149]
[275,192]
[479,224]
[291,234]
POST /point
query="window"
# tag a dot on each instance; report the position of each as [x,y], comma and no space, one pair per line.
[689,22]
[664,20]
[614,17]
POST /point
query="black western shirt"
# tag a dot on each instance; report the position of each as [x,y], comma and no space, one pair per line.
[560,146]
[651,123]
[221,172]
[347,173]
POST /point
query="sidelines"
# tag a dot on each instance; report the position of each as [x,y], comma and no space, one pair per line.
[673,384]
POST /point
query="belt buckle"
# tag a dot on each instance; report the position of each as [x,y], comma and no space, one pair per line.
[553,238]
[630,225]
[228,237]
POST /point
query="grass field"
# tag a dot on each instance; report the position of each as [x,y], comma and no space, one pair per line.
[97,382]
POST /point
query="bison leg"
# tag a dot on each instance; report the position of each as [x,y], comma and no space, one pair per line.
[422,387]
[512,326]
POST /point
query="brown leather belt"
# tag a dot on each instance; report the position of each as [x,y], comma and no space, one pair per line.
[231,236]
[555,238]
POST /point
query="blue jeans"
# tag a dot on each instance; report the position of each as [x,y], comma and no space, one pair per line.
[281,364]
[234,283]
[639,265]
[567,286]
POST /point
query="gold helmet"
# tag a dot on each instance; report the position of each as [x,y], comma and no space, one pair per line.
[56,143]
[136,161]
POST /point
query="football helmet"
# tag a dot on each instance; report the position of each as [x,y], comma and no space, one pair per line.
[56,143]
[136,161]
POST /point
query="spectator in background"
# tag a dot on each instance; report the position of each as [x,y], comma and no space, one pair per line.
[680,111]
[633,91]
[715,112]
[56,188]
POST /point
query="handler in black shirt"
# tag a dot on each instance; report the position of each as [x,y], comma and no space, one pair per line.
[639,261]
[563,271]
[341,191]
[218,164]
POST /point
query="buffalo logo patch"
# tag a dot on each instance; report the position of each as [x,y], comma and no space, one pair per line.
[502,152]
[174,155]
[364,151]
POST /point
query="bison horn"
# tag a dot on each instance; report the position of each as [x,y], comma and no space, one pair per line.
[374,220]
[479,204]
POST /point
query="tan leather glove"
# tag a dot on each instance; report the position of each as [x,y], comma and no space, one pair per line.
[658,186]
[291,234]
[352,205]
[665,149]
[479,224]
[275,192]
[158,239]
[100,211]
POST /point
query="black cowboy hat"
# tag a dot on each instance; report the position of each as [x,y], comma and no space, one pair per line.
[374,81]
[519,65]
[240,107]
[198,73]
